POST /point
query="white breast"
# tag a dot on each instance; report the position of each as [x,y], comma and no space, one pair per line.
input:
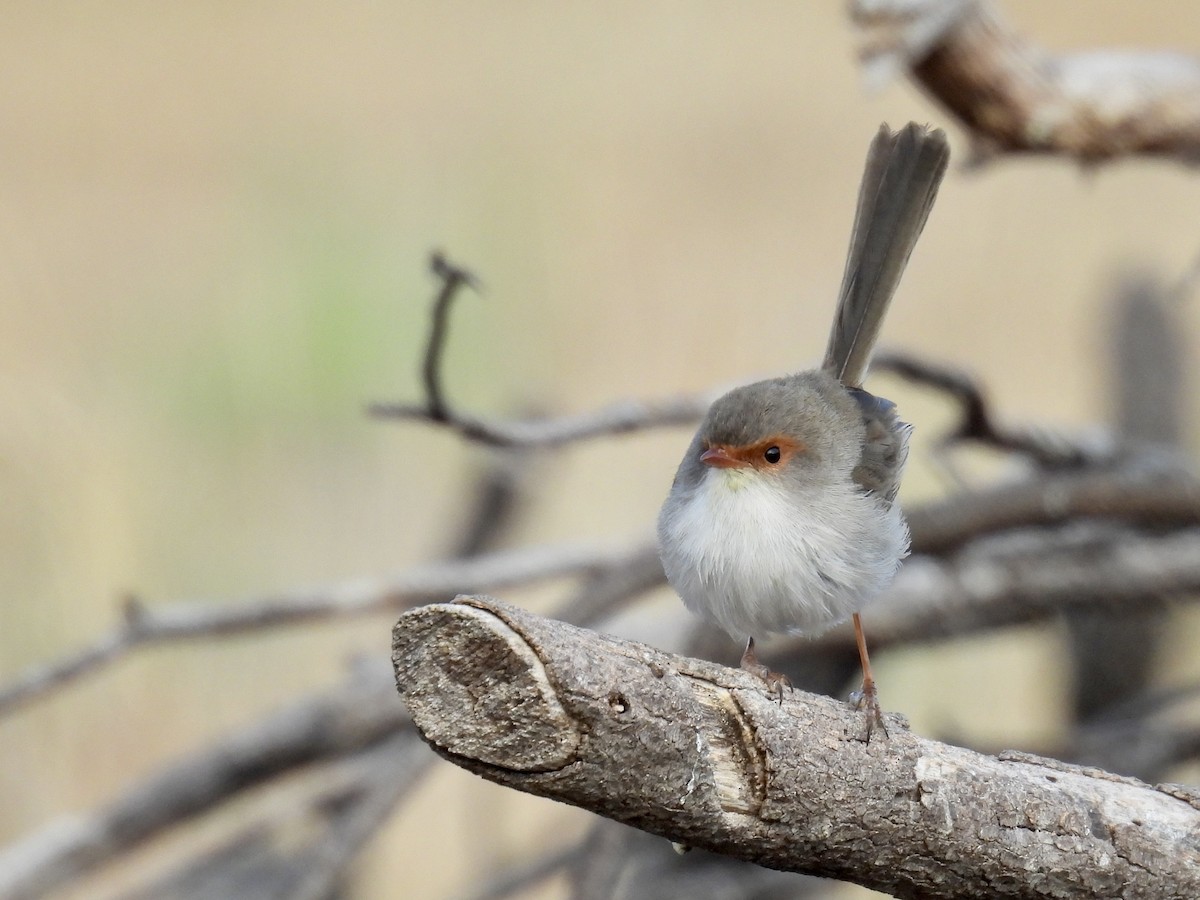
[758,559]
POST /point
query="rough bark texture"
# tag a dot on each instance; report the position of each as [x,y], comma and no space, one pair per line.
[699,754]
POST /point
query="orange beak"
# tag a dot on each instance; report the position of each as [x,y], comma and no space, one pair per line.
[719,457]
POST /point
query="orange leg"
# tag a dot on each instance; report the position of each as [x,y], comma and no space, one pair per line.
[868,697]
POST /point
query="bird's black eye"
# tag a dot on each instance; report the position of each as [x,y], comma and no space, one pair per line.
[772,455]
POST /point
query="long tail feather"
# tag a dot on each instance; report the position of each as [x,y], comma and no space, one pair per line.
[900,182]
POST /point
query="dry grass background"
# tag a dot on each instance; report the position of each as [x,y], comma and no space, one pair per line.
[214,220]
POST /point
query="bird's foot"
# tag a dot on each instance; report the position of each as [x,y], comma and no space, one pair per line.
[775,681]
[867,700]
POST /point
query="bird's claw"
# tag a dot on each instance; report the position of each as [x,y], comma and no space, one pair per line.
[867,701]
[775,681]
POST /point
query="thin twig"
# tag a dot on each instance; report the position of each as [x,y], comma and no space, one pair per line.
[543,432]
[976,421]
[625,417]
[452,277]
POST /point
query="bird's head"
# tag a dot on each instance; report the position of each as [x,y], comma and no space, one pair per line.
[803,427]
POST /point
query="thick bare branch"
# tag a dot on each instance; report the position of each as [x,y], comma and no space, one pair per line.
[1036,577]
[1015,97]
[701,755]
[1153,498]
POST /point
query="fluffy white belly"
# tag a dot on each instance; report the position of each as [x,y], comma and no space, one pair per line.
[758,559]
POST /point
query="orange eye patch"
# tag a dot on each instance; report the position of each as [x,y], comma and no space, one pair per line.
[771,453]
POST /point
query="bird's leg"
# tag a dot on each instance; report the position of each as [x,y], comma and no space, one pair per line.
[775,681]
[868,698]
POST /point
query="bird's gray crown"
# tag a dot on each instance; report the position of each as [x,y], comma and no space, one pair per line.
[810,407]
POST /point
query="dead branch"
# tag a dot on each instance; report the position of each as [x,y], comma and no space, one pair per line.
[298,845]
[1153,499]
[144,626]
[350,807]
[1037,577]
[977,422]
[1015,97]
[620,418]
[700,754]
[625,417]
[328,727]
[452,277]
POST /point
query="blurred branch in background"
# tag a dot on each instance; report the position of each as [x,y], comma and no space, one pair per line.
[344,747]
[977,422]
[621,418]
[1014,97]
[452,278]
[1114,653]
[146,626]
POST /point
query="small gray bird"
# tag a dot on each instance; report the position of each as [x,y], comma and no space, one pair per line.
[781,517]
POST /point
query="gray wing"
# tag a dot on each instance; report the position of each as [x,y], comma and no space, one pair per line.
[900,182]
[885,449]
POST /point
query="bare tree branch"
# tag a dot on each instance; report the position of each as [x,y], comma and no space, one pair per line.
[1154,499]
[624,417]
[143,626]
[977,422]
[701,755]
[299,843]
[250,865]
[1007,581]
[1037,578]
[327,727]
[620,418]
[452,277]
[1015,97]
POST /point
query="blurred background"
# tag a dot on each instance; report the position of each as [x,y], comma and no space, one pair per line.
[214,228]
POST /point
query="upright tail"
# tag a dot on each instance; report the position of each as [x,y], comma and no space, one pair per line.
[899,184]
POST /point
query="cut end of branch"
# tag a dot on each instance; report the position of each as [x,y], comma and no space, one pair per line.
[477,689]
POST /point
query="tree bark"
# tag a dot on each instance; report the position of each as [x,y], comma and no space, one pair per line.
[701,755]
